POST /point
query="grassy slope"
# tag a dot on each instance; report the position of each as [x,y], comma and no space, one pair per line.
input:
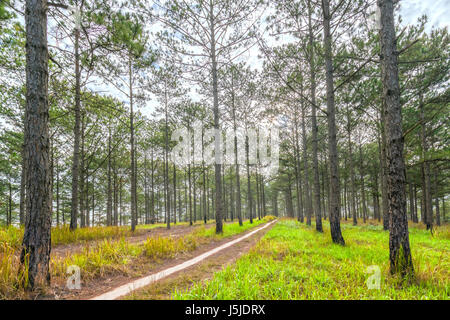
[293,261]
[110,256]
[107,256]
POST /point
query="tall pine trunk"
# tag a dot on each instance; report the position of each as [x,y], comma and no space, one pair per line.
[36,244]
[335,225]
[217,147]
[132,149]
[76,135]
[314,128]
[399,249]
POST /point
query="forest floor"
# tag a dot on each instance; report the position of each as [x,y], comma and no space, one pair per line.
[113,273]
[287,260]
[204,270]
[100,252]
[293,261]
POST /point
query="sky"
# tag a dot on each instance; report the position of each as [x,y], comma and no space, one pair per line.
[438,12]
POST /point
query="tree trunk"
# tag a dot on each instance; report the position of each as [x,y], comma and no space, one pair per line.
[376,200]
[435,191]
[190,194]
[335,226]
[263,197]
[288,199]
[166,159]
[93,200]
[232,202]
[115,194]
[363,188]
[314,129]
[109,196]
[82,175]
[351,170]
[217,147]
[179,205]
[443,209]
[383,172]
[86,198]
[411,200]
[236,164]
[152,206]
[249,189]
[275,203]
[22,208]
[36,244]
[416,218]
[174,194]
[308,199]
[57,192]
[399,249]
[258,195]
[76,134]
[426,183]
[298,181]
[132,151]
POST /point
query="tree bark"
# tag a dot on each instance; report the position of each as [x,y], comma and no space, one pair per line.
[109,196]
[82,190]
[426,183]
[22,207]
[249,189]
[363,188]
[435,191]
[383,172]
[288,199]
[36,244]
[236,164]
[314,128]
[308,199]
[399,249]
[335,226]
[217,147]
[351,170]
[132,149]
[166,159]
[76,134]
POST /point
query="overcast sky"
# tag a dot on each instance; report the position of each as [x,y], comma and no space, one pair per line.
[438,12]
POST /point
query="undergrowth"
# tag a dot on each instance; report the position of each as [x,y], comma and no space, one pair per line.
[293,261]
[108,256]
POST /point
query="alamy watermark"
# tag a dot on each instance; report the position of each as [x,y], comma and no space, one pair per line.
[373,281]
[257,146]
[74,280]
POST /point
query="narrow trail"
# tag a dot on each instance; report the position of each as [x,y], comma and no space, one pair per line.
[205,270]
[147,280]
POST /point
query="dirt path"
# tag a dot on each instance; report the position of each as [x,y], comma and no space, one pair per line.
[183,280]
[231,246]
[107,283]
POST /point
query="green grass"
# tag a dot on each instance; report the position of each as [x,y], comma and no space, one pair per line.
[293,261]
[112,256]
